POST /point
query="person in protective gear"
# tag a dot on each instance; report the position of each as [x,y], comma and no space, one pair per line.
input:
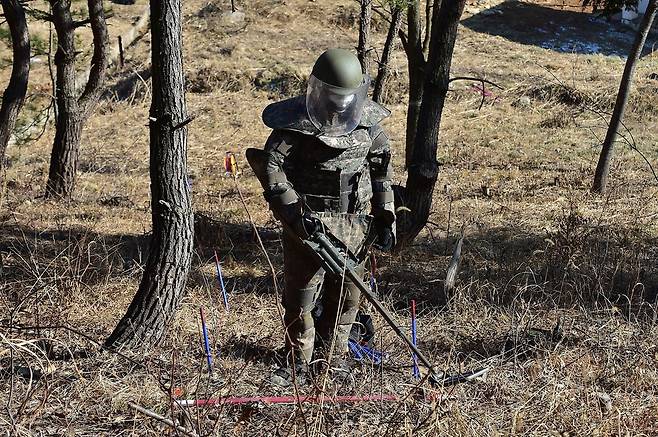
[327,158]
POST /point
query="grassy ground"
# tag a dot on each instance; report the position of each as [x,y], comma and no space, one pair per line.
[539,248]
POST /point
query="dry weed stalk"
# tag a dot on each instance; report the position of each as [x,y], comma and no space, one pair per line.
[527,262]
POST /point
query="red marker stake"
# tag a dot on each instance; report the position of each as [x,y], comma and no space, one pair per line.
[285,400]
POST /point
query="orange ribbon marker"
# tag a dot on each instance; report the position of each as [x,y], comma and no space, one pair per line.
[231,165]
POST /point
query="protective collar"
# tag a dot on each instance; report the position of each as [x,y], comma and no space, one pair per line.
[290,114]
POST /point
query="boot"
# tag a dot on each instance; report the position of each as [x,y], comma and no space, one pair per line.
[340,366]
[285,377]
[340,369]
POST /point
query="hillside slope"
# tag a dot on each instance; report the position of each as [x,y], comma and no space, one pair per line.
[539,248]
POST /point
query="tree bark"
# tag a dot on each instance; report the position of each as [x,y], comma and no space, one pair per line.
[605,158]
[73,111]
[14,95]
[383,70]
[170,254]
[429,7]
[416,68]
[364,34]
[423,166]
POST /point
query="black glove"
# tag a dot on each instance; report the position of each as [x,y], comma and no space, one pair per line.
[384,239]
[306,225]
[310,223]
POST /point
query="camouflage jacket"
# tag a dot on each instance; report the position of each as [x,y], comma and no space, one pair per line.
[347,174]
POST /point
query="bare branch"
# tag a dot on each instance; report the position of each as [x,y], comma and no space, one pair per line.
[429,11]
[377,10]
[404,40]
[183,123]
[476,79]
[99,60]
[81,23]
[365,19]
[163,419]
[39,14]
[453,267]
[382,71]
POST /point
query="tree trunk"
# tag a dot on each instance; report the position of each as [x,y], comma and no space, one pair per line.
[72,110]
[603,166]
[382,71]
[416,67]
[364,34]
[170,254]
[14,95]
[423,166]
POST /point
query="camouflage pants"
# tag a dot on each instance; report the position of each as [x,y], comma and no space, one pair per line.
[305,285]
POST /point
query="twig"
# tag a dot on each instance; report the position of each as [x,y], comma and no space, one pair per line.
[121,57]
[172,384]
[11,391]
[75,331]
[276,291]
[184,123]
[476,79]
[81,23]
[448,230]
[162,419]
[453,268]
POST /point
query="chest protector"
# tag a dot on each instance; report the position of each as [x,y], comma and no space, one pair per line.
[329,179]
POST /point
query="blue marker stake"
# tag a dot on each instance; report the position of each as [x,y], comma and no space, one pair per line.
[416,371]
[220,279]
[361,353]
[206,342]
[355,349]
[374,355]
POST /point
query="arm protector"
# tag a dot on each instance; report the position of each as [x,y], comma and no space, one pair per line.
[279,193]
[381,173]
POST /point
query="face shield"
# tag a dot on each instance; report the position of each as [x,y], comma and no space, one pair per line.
[335,111]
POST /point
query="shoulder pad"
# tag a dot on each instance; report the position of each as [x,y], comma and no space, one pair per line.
[373,113]
[289,114]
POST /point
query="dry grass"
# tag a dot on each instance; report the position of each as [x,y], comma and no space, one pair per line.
[539,248]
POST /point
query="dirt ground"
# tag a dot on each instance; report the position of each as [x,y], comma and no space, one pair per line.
[540,250]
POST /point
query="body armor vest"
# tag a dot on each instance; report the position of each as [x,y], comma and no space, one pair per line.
[330,179]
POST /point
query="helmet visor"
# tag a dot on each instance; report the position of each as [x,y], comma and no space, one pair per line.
[335,111]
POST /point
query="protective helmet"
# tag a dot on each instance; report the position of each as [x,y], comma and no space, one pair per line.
[337,91]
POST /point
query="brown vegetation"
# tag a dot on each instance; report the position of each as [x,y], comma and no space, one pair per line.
[539,247]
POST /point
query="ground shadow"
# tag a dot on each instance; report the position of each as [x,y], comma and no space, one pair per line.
[30,254]
[239,347]
[237,284]
[577,264]
[129,85]
[564,31]
[73,256]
